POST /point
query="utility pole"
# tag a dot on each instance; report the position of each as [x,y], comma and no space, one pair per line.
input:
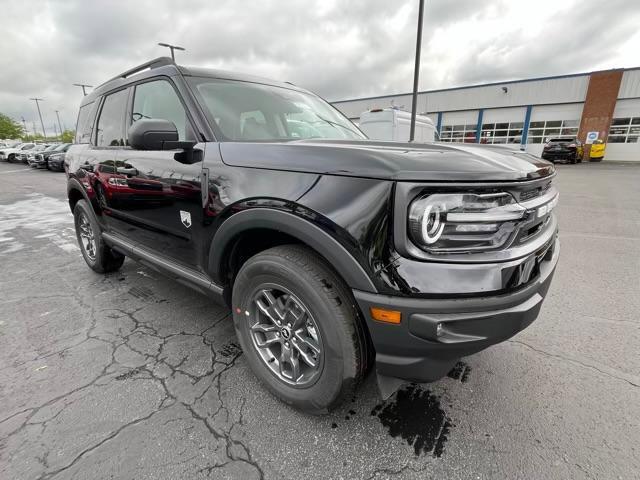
[172,48]
[59,124]
[24,123]
[44,132]
[83,85]
[416,73]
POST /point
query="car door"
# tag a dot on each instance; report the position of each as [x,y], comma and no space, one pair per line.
[101,154]
[159,203]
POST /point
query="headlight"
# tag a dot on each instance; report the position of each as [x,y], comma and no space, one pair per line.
[446,223]
[118,182]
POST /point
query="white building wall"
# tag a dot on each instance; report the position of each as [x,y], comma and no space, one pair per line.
[559,90]
[630,84]
[504,115]
[535,92]
[628,152]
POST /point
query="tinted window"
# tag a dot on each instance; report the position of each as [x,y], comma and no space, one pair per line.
[159,100]
[84,126]
[111,121]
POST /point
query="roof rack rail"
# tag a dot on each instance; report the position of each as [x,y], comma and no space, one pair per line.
[155,63]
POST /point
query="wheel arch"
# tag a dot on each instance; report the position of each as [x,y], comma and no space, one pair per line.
[286,226]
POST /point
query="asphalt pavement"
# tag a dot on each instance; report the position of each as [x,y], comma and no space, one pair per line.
[133,376]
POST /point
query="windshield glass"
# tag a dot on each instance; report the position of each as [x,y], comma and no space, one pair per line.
[244,111]
[50,148]
[61,147]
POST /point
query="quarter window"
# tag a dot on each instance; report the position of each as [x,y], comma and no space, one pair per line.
[159,100]
[111,121]
[84,127]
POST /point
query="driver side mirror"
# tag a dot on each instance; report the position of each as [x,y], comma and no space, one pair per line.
[160,134]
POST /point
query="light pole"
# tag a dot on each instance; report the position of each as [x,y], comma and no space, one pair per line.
[44,132]
[416,73]
[59,124]
[172,48]
[83,85]
[26,132]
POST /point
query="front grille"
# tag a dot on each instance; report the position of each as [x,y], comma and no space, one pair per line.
[525,195]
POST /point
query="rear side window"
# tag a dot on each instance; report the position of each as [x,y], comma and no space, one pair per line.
[84,127]
[111,120]
[159,100]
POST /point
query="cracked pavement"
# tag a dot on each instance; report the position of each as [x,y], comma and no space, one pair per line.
[131,375]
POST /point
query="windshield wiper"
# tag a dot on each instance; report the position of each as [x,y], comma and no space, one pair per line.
[335,124]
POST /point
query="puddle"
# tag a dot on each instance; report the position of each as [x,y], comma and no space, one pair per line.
[460,372]
[415,415]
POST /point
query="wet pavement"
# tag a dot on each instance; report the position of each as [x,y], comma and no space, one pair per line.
[131,375]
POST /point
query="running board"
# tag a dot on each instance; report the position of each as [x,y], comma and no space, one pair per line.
[184,275]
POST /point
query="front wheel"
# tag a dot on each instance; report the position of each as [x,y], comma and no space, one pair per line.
[98,256]
[298,327]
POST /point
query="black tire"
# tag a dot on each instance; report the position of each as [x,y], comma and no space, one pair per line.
[344,353]
[100,257]
[10,158]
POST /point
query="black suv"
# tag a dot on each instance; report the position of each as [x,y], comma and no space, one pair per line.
[331,250]
[563,148]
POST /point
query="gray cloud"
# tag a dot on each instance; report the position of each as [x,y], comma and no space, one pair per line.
[339,49]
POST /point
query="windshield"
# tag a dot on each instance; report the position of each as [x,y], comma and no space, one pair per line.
[50,148]
[244,111]
[61,147]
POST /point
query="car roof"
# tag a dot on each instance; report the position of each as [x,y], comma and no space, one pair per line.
[166,66]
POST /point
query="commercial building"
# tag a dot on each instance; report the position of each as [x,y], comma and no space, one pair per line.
[526,112]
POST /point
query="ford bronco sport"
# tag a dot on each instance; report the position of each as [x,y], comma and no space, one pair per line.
[332,251]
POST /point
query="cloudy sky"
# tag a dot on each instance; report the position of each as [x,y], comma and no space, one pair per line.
[337,48]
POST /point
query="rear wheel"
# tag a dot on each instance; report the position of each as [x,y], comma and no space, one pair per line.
[96,253]
[298,327]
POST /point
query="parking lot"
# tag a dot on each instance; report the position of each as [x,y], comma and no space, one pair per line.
[131,375]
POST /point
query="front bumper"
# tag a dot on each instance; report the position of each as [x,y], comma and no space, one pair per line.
[435,333]
[563,154]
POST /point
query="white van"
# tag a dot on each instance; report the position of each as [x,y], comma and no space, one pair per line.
[390,124]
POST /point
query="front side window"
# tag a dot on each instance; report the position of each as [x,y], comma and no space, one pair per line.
[245,111]
[159,100]
[111,120]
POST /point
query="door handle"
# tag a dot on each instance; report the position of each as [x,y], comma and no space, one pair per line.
[127,171]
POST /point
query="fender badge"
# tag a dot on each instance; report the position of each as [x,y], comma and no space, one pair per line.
[185,218]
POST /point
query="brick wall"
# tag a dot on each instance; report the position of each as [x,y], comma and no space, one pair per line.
[602,94]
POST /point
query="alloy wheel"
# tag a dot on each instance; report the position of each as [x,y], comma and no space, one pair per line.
[285,335]
[87,238]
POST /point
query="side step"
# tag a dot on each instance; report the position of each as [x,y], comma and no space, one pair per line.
[187,276]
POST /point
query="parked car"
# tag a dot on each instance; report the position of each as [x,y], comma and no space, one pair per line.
[596,152]
[55,161]
[563,148]
[9,154]
[41,159]
[38,150]
[24,156]
[332,252]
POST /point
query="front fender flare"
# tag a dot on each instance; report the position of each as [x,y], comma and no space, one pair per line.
[315,237]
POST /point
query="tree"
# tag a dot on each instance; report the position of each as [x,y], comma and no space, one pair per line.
[10,128]
[68,136]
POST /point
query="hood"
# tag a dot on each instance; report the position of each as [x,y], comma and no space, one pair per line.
[390,160]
